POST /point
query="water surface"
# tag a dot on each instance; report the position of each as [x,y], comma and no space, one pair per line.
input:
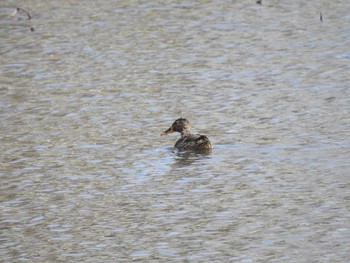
[86,177]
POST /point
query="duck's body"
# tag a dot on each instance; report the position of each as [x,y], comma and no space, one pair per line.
[194,142]
[188,141]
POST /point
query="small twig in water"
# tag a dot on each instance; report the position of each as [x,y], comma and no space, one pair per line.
[14,13]
[321,19]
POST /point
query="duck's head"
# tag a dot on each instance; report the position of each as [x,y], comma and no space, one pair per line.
[181,125]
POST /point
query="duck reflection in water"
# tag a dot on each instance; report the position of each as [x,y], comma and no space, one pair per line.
[189,141]
[189,157]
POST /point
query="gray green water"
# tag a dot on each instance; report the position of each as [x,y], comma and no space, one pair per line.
[85,175]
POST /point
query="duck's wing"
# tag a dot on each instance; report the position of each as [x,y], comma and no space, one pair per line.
[197,141]
[188,142]
[192,138]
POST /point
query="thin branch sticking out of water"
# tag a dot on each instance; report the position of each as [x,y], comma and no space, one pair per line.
[23,10]
[321,19]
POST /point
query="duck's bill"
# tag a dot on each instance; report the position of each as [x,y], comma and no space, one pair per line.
[170,130]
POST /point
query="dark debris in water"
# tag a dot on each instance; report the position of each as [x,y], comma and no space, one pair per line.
[18,10]
[330,99]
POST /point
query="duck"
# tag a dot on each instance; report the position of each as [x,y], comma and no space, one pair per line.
[188,140]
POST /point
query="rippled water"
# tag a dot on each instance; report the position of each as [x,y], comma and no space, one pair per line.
[85,175]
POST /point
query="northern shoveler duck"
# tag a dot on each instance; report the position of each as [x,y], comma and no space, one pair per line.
[188,141]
